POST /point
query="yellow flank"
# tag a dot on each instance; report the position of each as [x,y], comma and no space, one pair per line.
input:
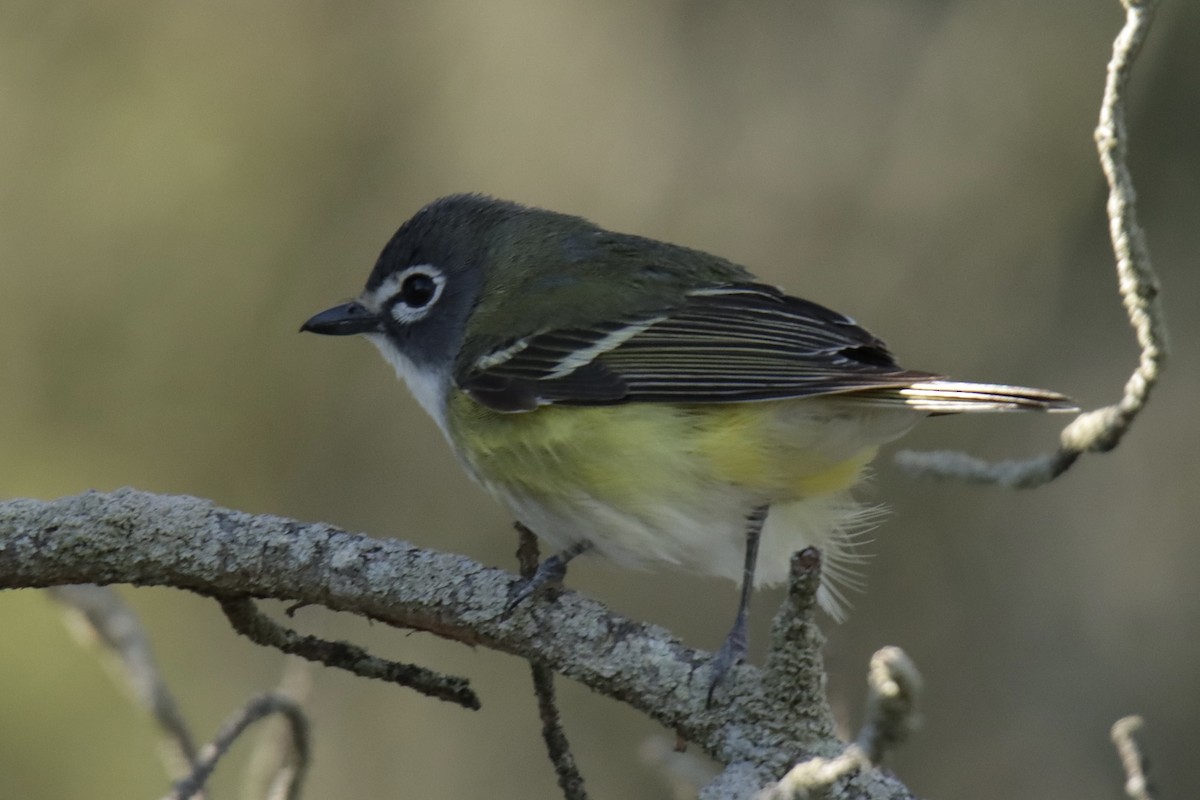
[837,478]
[638,454]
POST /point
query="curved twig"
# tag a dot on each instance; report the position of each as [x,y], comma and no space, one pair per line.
[110,620]
[254,710]
[1099,430]
[1137,785]
[893,684]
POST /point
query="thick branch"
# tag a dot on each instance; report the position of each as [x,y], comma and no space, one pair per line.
[155,540]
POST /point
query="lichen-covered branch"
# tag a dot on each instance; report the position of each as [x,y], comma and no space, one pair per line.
[184,542]
[247,620]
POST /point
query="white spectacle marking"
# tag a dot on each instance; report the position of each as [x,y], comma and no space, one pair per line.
[388,290]
[588,354]
[489,360]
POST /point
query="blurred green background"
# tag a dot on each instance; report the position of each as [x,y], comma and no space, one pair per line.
[181,184]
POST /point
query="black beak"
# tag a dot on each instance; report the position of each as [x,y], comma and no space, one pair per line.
[343,320]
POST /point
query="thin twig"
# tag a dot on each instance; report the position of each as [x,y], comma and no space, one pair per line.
[1137,786]
[101,612]
[893,684]
[1099,430]
[570,780]
[814,778]
[261,629]
[268,770]
[257,708]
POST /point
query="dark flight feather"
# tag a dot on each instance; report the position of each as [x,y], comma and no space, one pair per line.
[733,343]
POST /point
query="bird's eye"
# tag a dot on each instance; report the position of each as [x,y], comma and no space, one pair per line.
[409,296]
[417,290]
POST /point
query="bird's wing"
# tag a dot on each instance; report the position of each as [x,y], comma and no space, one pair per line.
[732,343]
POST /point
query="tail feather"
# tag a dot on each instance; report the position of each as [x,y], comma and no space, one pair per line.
[952,397]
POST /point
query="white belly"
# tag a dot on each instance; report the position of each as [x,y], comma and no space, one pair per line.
[709,536]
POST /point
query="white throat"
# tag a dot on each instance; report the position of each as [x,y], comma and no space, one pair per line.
[427,385]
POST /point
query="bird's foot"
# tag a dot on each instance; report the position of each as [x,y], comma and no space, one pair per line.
[731,652]
[550,572]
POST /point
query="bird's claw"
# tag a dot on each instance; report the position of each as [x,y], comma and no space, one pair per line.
[731,652]
[550,572]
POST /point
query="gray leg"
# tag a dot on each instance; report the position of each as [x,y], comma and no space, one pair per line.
[733,649]
[549,573]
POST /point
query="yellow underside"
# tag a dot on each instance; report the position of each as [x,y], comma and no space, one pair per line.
[644,453]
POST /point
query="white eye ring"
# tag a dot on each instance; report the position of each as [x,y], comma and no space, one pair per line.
[406,297]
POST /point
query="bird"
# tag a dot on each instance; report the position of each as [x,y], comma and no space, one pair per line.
[643,401]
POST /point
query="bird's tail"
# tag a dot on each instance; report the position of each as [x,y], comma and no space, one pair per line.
[953,397]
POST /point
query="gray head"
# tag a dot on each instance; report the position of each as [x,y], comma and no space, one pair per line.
[422,290]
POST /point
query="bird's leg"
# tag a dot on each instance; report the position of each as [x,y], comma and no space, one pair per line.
[548,573]
[733,649]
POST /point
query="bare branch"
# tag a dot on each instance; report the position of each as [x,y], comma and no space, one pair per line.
[1099,430]
[893,684]
[247,620]
[814,778]
[1136,784]
[135,537]
[269,772]
[570,780]
[257,708]
[100,612]
[892,687]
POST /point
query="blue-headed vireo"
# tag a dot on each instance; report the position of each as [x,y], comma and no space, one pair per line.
[645,401]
